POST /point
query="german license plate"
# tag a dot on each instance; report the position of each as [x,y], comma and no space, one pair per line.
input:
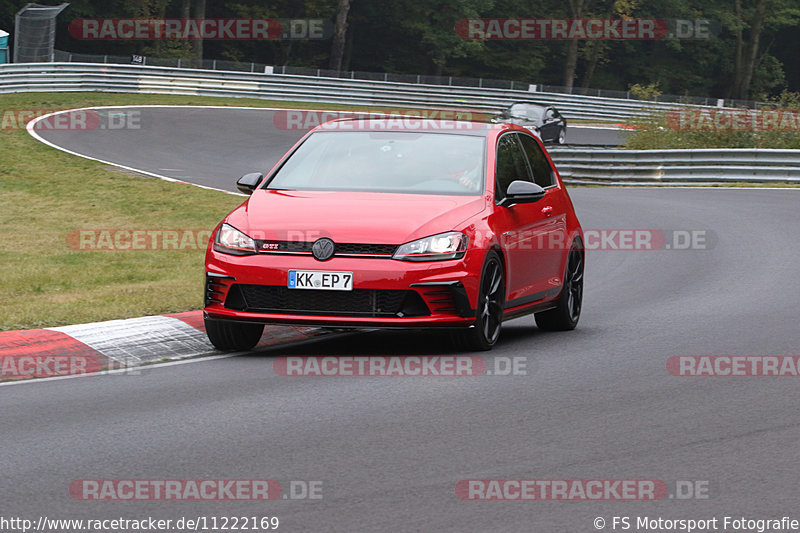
[323,280]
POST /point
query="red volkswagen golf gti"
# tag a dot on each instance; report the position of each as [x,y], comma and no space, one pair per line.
[399,223]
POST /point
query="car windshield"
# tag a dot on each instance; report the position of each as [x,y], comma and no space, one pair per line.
[518,110]
[524,110]
[397,162]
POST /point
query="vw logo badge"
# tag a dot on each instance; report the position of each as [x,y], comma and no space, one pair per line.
[323,249]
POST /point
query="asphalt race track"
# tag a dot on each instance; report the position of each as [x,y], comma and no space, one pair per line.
[211,146]
[596,403]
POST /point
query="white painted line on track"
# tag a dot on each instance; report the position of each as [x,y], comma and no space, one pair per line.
[31,127]
[32,124]
[603,127]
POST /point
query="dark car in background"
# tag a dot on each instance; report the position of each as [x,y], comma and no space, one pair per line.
[545,120]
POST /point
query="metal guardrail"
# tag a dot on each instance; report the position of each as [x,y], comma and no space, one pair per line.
[39,77]
[696,165]
[455,81]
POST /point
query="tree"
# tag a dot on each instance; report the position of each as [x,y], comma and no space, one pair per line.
[576,8]
[339,35]
[432,23]
[199,13]
[752,21]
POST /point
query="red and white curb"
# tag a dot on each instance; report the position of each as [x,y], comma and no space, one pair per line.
[87,349]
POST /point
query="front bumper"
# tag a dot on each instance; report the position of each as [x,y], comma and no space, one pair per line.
[386,292]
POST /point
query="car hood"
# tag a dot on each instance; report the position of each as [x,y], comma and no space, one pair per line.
[358,217]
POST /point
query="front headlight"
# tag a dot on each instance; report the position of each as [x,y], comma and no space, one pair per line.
[230,240]
[451,245]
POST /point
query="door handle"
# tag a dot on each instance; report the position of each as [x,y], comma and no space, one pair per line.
[547,211]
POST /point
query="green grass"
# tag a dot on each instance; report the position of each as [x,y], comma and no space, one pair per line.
[45,194]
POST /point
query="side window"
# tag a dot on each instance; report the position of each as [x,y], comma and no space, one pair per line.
[542,172]
[511,164]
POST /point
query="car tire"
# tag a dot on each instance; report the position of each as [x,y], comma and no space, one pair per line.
[562,136]
[483,334]
[233,336]
[567,312]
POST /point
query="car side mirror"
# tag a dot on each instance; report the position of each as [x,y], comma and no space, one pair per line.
[248,183]
[522,192]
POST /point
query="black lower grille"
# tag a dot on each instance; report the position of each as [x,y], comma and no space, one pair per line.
[358,302]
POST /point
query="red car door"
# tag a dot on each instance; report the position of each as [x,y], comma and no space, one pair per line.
[552,256]
[526,230]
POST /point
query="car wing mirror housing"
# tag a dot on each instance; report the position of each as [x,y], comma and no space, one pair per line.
[248,183]
[522,192]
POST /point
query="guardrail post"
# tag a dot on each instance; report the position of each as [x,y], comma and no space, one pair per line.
[179,62]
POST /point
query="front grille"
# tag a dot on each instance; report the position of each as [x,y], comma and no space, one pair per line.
[358,302]
[365,249]
[345,248]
